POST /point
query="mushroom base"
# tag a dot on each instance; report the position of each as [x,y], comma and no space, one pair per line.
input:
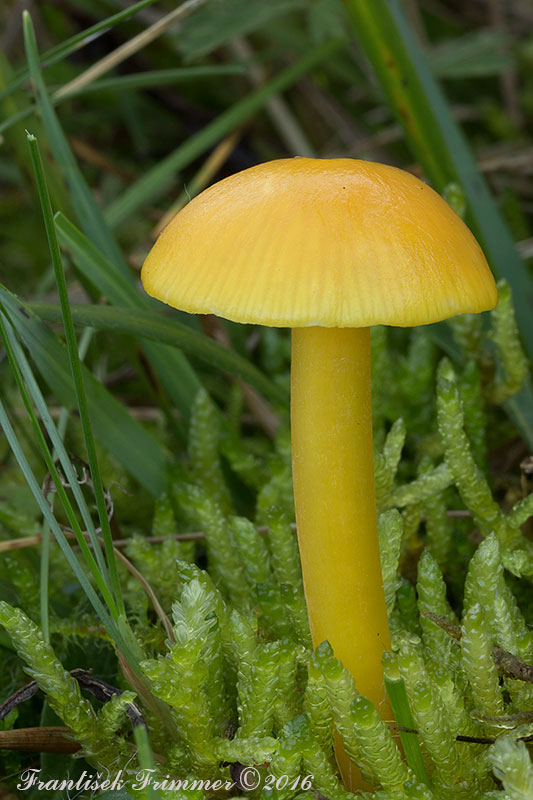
[333,475]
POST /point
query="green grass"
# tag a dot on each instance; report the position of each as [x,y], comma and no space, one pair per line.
[93,372]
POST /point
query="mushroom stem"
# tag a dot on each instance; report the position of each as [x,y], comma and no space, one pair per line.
[333,474]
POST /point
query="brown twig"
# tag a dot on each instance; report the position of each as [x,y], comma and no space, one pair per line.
[33,541]
[187,536]
[49,739]
[20,696]
[453,631]
[158,608]
[460,737]
[142,413]
[100,689]
[509,665]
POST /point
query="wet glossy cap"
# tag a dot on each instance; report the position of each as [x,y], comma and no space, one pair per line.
[336,243]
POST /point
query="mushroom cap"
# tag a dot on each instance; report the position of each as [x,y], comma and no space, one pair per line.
[329,242]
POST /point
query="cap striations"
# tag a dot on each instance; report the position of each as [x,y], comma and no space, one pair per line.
[336,243]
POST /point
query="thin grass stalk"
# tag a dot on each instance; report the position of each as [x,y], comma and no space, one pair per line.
[141,322]
[402,713]
[146,761]
[46,511]
[128,49]
[44,570]
[97,566]
[76,42]
[119,631]
[86,207]
[22,369]
[141,454]
[139,80]
[160,178]
[72,348]
[44,580]
[173,371]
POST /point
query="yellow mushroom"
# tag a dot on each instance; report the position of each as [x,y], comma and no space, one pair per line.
[327,248]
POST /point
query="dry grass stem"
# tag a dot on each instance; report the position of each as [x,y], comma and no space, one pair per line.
[126,50]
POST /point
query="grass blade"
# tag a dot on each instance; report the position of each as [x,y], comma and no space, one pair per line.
[436,139]
[75,364]
[44,592]
[75,43]
[19,366]
[115,631]
[122,83]
[94,265]
[129,47]
[140,454]
[144,323]
[146,761]
[25,378]
[86,207]
[76,567]
[171,366]
[161,177]
[160,77]
[402,714]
